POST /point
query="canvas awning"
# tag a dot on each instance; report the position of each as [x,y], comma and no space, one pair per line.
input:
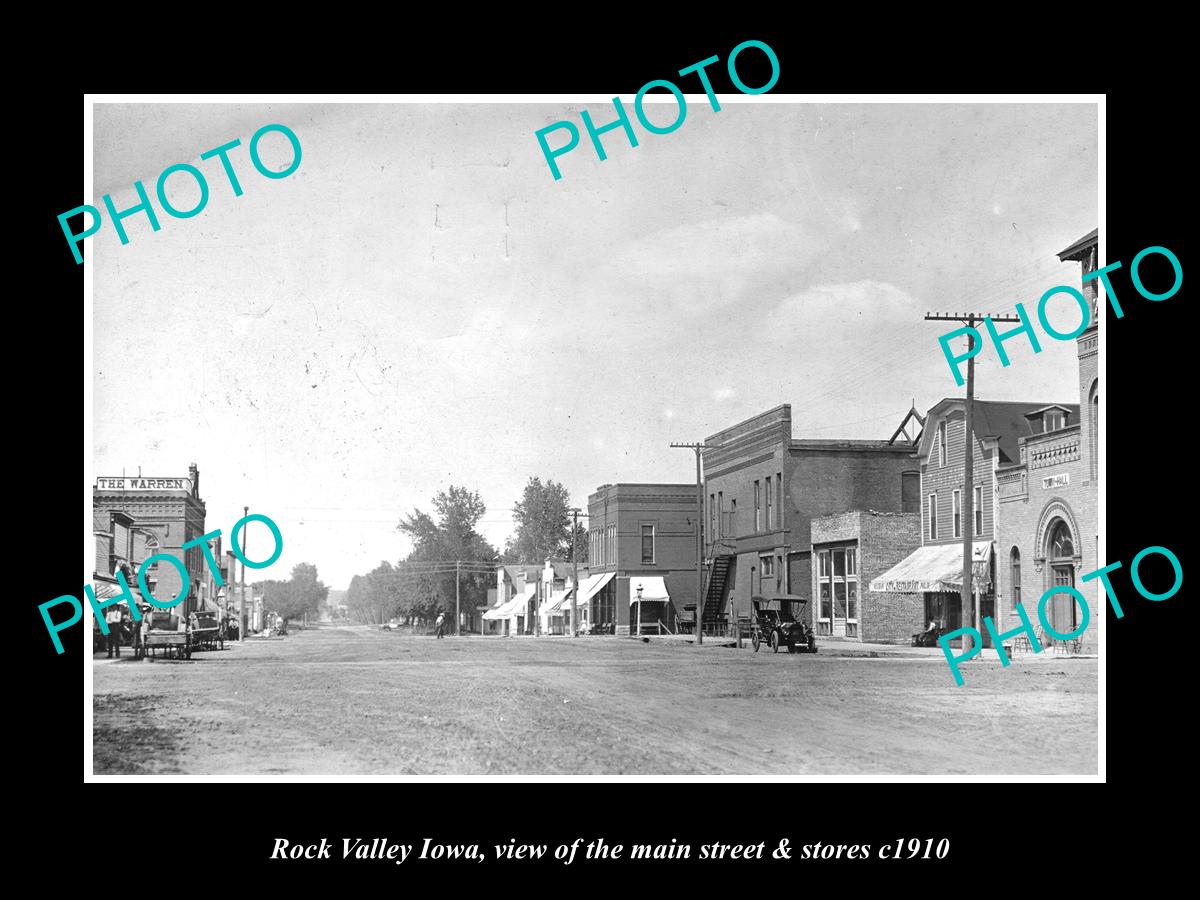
[106,590]
[654,589]
[512,607]
[594,584]
[937,567]
[559,602]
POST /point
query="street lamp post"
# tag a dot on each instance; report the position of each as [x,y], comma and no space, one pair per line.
[242,607]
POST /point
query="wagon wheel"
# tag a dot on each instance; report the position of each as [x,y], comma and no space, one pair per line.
[756,640]
[774,641]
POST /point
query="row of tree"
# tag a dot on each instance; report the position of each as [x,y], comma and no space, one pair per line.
[450,554]
[303,593]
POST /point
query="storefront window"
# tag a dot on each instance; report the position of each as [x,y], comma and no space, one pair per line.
[838,585]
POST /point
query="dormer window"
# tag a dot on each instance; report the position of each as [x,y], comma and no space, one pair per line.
[1054,420]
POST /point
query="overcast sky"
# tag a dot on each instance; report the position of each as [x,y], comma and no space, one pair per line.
[421,304]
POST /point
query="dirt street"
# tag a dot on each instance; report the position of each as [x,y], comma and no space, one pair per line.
[353,701]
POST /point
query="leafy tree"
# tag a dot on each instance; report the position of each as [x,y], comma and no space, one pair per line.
[543,524]
[426,578]
[303,593]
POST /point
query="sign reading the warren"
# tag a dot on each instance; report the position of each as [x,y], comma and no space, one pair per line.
[138,483]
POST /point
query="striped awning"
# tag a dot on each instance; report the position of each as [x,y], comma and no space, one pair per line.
[512,607]
[937,568]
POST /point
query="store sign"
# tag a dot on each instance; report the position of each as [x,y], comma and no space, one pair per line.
[128,483]
[1054,481]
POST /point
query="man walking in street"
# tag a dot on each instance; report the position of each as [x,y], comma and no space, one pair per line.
[441,621]
[112,619]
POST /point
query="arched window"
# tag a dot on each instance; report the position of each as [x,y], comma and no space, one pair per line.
[1094,431]
[1015,561]
[1061,545]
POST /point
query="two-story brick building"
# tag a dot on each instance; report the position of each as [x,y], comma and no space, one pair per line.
[1049,495]
[167,513]
[640,536]
[763,489]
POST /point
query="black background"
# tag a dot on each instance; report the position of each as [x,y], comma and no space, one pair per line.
[1031,837]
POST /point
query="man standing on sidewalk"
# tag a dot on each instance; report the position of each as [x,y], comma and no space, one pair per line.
[441,621]
[112,619]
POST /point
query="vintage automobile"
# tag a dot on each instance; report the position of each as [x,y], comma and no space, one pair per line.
[777,623]
[206,631]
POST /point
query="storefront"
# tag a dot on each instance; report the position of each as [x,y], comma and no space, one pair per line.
[935,572]
[650,607]
[513,614]
[598,595]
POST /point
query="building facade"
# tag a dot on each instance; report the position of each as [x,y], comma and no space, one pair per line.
[934,571]
[640,535]
[849,551]
[1049,496]
[166,513]
[763,489]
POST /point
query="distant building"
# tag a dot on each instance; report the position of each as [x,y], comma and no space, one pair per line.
[165,514]
[763,489]
[641,536]
[524,592]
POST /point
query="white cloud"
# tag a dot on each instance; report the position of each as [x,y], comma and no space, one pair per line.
[723,393]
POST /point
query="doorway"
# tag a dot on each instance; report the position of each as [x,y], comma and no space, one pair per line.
[1061,552]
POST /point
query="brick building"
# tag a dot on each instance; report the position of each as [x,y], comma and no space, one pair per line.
[640,535]
[850,550]
[167,513]
[763,489]
[1049,495]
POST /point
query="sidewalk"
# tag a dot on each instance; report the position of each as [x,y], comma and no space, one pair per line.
[841,647]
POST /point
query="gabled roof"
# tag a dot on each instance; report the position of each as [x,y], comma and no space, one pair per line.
[1080,247]
[1005,421]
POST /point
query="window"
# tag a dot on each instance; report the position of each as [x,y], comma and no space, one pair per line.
[1054,419]
[941,433]
[768,566]
[1094,431]
[757,508]
[647,543]
[778,499]
[732,529]
[712,517]
[910,492]
[720,512]
[978,510]
[612,544]
[837,577]
[1061,545]
[770,505]
[957,508]
[1015,563]
[933,517]
[825,610]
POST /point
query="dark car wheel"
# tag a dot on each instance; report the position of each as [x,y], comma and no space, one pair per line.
[756,641]
[791,646]
[774,641]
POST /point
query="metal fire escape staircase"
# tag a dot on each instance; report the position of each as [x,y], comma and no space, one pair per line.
[714,592]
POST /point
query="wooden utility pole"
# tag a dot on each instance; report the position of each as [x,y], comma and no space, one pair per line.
[457,597]
[968,489]
[699,447]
